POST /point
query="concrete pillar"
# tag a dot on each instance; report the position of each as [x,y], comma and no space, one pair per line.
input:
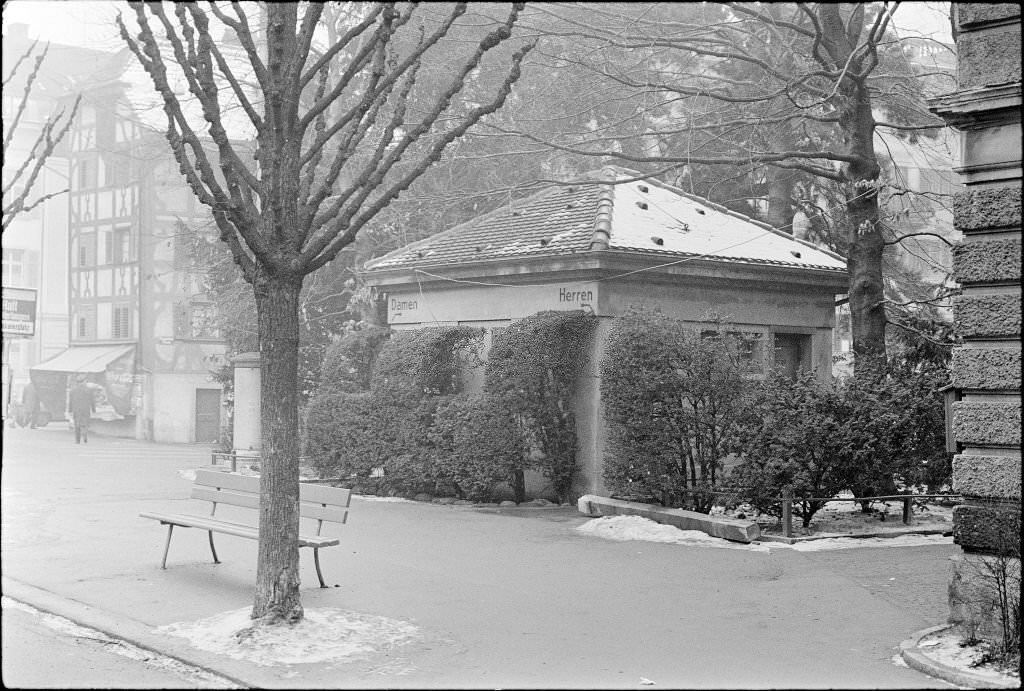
[246,436]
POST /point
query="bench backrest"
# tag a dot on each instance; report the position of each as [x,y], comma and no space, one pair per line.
[321,502]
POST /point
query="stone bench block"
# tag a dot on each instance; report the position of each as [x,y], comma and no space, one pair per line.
[727,528]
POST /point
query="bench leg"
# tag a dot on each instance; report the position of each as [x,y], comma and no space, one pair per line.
[212,548]
[167,545]
[316,560]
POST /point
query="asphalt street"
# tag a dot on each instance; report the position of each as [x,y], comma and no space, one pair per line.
[514,599]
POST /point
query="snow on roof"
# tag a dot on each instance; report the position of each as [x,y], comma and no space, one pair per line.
[649,215]
[638,216]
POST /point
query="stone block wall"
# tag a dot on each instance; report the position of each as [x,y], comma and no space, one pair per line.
[986,369]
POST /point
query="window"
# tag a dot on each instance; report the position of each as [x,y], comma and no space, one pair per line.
[792,353]
[122,245]
[203,320]
[121,324]
[85,323]
[85,176]
[20,267]
[749,350]
[87,249]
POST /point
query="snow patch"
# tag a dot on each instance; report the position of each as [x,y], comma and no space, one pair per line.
[945,647]
[374,497]
[640,528]
[323,635]
[857,542]
[188,473]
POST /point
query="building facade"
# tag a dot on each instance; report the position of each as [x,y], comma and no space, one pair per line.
[35,245]
[609,246]
[986,370]
[136,319]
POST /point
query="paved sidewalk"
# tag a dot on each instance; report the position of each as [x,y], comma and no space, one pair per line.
[501,600]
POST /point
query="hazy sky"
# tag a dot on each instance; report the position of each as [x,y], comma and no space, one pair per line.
[90,23]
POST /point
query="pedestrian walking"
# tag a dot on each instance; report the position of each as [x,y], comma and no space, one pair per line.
[30,404]
[81,404]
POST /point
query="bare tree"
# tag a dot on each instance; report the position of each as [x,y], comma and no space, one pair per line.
[335,142]
[776,89]
[20,175]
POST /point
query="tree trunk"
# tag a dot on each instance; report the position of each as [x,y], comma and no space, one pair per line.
[277,569]
[864,263]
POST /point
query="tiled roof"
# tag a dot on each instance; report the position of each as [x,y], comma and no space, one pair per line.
[637,216]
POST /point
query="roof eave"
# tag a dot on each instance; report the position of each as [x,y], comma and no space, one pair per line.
[608,264]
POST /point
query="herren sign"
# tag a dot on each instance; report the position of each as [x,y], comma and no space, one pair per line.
[19,318]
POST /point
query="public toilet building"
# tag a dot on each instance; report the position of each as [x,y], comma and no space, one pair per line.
[606,246]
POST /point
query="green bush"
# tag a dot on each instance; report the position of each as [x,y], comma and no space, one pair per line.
[869,437]
[919,433]
[672,396]
[348,362]
[532,372]
[479,447]
[794,434]
[344,436]
[382,439]
[425,362]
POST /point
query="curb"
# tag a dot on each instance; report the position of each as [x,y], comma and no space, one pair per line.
[916,659]
[124,629]
[891,533]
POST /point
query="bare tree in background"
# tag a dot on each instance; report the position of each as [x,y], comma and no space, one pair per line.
[335,142]
[20,174]
[775,88]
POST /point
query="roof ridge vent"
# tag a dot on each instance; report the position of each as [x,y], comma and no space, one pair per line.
[603,219]
[642,205]
[657,241]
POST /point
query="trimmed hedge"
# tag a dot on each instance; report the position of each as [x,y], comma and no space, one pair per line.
[672,398]
[479,447]
[532,372]
[381,439]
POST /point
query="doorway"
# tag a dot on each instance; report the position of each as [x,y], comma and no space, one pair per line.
[792,353]
[207,415]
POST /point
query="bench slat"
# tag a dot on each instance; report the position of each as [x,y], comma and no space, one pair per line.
[233,481]
[323,513]
[325,494]
[252,501]
[319,494]
[236,529]
[225,496]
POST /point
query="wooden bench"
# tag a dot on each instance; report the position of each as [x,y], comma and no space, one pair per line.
[317,502]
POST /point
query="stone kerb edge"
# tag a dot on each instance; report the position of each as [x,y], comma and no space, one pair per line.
[916,659]
[732,529]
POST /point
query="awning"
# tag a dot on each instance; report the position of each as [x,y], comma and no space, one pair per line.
[85,359]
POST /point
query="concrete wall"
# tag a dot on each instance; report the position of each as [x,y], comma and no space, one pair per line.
[174,408]
[986,369]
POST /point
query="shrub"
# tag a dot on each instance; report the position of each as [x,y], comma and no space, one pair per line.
[919,434]
[344,436]
[425,362]
[672,396]
[382,437]
[868,437]
[348,362]
[532,372]
[479,446]
[793,434]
